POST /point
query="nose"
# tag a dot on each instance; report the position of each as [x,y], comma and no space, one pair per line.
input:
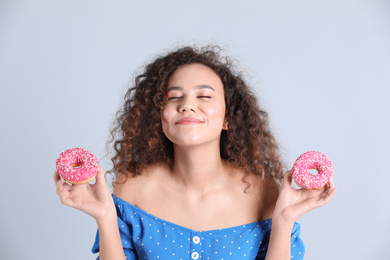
[187,106]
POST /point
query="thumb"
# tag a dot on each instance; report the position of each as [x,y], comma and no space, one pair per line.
[100,178]
[287,178]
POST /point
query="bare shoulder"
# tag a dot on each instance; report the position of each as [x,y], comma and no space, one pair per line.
[134,188]
[250,184]
[256,195]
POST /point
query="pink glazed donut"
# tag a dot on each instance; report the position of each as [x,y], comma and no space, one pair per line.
[308,161]
[77,165]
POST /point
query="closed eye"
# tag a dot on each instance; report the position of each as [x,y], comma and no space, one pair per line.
[172,98]
[203,97]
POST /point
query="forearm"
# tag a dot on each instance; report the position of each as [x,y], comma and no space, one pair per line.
[110,245]
[279,247]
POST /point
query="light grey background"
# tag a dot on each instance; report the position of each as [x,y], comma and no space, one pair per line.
[321,68]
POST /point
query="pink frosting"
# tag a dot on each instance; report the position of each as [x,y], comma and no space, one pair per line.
[308,161]
[77,156]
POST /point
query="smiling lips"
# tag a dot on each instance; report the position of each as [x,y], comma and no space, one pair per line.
[189,121]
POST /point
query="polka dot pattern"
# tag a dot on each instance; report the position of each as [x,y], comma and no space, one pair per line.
[145,236]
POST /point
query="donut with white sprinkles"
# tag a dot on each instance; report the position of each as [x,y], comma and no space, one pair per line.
[309,161]
[77,165]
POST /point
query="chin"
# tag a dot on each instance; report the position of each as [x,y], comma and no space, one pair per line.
[193,142]
[194,138]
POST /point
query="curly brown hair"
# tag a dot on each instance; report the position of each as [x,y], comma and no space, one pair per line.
[137,133]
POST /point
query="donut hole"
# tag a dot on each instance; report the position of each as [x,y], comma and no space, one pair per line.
[313,171]
[76,165]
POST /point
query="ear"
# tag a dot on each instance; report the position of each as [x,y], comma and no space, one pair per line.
[225,125]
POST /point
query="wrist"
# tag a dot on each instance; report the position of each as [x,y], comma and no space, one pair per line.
[107,216]
[280,221]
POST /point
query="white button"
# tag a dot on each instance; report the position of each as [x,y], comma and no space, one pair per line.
[196,240]
[195,255]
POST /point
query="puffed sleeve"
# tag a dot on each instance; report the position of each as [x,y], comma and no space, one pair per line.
[125,233]
[297,246]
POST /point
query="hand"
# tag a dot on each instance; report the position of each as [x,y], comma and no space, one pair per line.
[93,199]
[293,203]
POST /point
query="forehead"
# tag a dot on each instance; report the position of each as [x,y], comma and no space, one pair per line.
[196,74]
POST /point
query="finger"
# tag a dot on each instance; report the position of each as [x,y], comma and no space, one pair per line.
[331,183]
[61,186]
[328,187]
[59,182]
[288,175]
[100,178]
[64,195]
[327,195]
[287,178]
[56,176]
[331,189]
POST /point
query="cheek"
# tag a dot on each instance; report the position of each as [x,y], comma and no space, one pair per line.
[166,116]
[217,112]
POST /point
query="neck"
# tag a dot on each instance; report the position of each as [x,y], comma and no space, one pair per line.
[199,168]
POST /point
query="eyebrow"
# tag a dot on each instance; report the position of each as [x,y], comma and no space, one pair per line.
[196,87]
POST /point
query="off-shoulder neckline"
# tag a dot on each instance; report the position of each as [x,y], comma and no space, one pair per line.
[261,223]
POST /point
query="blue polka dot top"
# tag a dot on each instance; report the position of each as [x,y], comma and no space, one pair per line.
[145,236]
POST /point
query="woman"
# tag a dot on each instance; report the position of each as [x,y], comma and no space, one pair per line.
[198,172]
